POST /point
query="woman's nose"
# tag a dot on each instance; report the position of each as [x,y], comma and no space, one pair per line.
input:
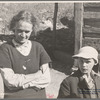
[84,64]
[23,34]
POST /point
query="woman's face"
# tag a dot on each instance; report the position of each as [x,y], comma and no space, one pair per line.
[23,31]
[86,65]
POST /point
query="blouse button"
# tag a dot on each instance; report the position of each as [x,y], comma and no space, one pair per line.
[24,67]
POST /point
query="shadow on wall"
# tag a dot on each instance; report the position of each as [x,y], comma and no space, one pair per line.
[64,62]
[63,41]
[60,52]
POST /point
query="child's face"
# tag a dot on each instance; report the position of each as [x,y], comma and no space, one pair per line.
[23,31]
[86,65]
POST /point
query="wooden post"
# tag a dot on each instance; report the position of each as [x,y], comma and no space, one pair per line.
[78,7]
[78,13]
[54,23]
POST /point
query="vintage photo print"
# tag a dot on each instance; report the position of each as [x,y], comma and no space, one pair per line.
[49,49]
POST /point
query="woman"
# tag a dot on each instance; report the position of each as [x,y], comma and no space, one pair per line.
[24,63]
[84,83]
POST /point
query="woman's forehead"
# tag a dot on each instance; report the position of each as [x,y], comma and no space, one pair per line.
[23,24]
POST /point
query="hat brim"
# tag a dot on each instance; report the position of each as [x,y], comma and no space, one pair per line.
[81,56]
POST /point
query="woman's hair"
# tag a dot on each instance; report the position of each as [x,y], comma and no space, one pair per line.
[22,16]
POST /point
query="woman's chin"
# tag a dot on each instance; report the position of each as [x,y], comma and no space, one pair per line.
[22,41]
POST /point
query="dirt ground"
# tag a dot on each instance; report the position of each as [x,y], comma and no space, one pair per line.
[58,72]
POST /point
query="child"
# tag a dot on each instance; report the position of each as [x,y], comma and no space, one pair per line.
[84,83]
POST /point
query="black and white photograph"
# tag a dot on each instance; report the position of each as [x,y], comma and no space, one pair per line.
[49,49]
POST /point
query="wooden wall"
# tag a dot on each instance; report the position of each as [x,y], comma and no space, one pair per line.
[90,25]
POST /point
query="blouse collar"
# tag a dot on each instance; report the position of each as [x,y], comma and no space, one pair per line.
[16,44]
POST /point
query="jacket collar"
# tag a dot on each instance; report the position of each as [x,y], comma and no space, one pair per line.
[82,82]
[96,78]
[79,74]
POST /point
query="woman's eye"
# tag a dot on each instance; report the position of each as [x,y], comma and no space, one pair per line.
[20,31]
[27,31]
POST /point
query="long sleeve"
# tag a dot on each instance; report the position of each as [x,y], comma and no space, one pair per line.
[13,80]
[1,87]
[42,81]
[39,79]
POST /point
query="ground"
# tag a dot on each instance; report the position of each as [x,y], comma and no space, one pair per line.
[58,72]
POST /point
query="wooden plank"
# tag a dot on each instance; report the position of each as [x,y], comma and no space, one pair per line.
[95,42]
[91,9]
[91,30]
[92,4]
[91,35]
[92,22]
[88,15]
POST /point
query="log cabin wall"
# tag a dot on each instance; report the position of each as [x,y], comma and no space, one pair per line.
[91,25]
[87,25]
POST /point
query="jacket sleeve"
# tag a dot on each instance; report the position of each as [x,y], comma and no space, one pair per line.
[64,90]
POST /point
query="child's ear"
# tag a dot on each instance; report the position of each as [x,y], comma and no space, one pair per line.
[96,67]
[95,63]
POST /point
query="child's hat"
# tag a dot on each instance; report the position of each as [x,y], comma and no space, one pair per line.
[87,52]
